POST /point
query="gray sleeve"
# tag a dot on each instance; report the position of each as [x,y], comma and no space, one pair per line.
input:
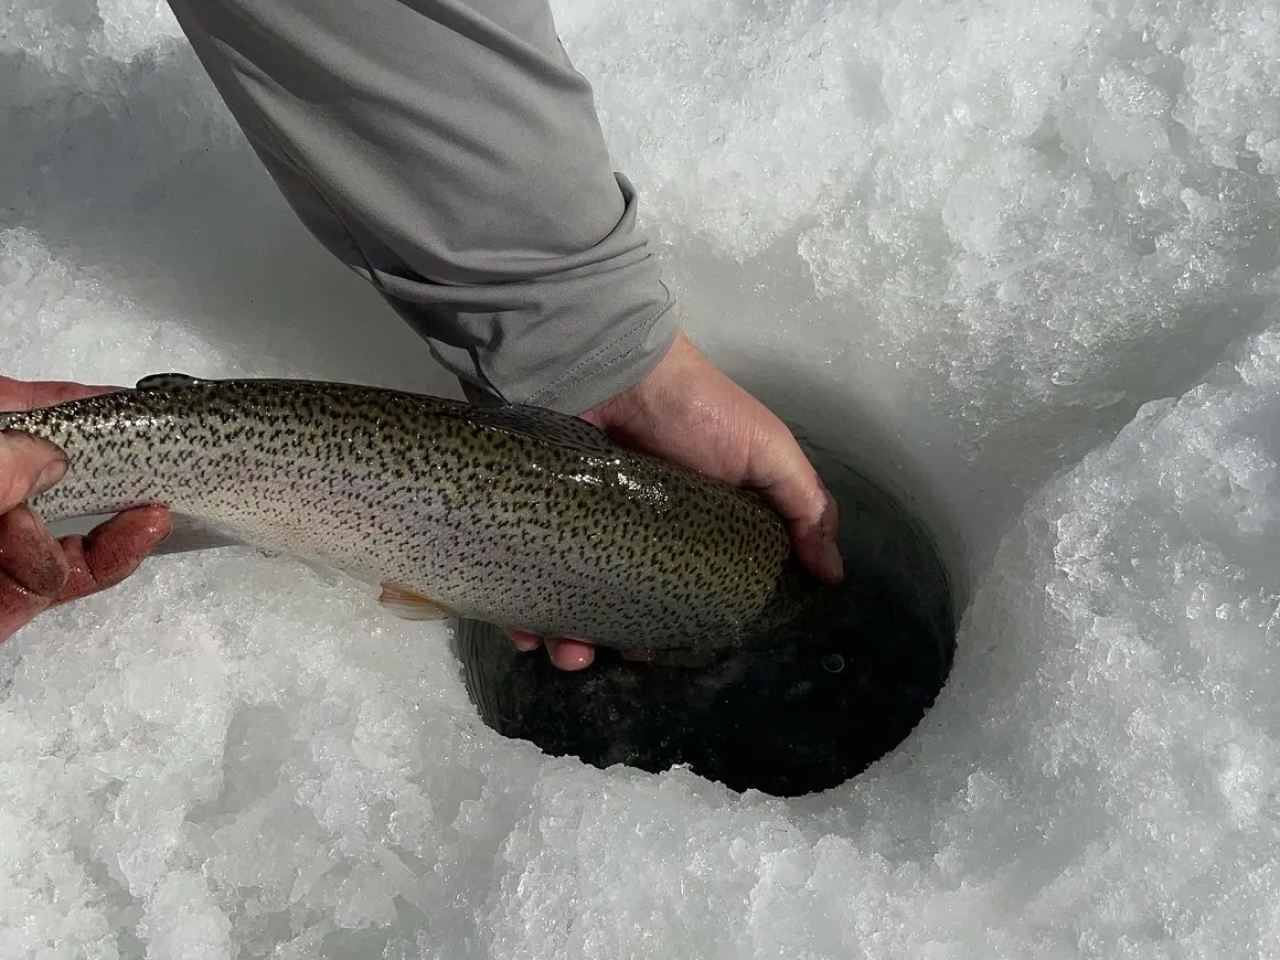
[448,152]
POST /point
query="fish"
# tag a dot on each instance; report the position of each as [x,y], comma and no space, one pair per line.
[512,515]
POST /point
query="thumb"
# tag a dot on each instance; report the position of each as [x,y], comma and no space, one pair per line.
[28,466]
[786,478]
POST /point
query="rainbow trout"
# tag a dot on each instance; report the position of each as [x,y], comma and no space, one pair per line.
[514,515]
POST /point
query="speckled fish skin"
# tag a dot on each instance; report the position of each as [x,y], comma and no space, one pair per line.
[517,516]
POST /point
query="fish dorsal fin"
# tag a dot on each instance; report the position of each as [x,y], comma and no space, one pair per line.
[539,423]
[168,381]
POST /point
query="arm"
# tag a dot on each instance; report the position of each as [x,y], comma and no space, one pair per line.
[448,152]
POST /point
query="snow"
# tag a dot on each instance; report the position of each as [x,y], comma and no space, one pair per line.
[1018,258]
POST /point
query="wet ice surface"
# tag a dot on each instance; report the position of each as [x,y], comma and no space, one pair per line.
[1025,256]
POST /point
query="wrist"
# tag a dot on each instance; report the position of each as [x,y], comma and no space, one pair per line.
[653,391]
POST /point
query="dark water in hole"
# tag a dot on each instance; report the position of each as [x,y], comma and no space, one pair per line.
[806,713]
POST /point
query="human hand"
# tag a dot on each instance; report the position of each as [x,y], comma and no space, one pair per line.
[687,412]
[36,571]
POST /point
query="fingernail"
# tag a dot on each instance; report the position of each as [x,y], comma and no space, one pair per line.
[51,474]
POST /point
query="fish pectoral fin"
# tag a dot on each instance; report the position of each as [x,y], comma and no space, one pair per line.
[167,381]
[411,606]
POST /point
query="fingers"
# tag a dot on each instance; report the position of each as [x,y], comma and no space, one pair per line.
[32,569]
[27,394]
[817,548]
[112,551]
[38,572]
[29,556]
[525,641]
[28,466]
[567,654]
[814,535]
[571,654]
[788,480]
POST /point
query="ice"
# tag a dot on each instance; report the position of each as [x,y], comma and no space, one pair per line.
[1019,258]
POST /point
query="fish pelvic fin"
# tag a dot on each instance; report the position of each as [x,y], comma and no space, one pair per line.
[410,605]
